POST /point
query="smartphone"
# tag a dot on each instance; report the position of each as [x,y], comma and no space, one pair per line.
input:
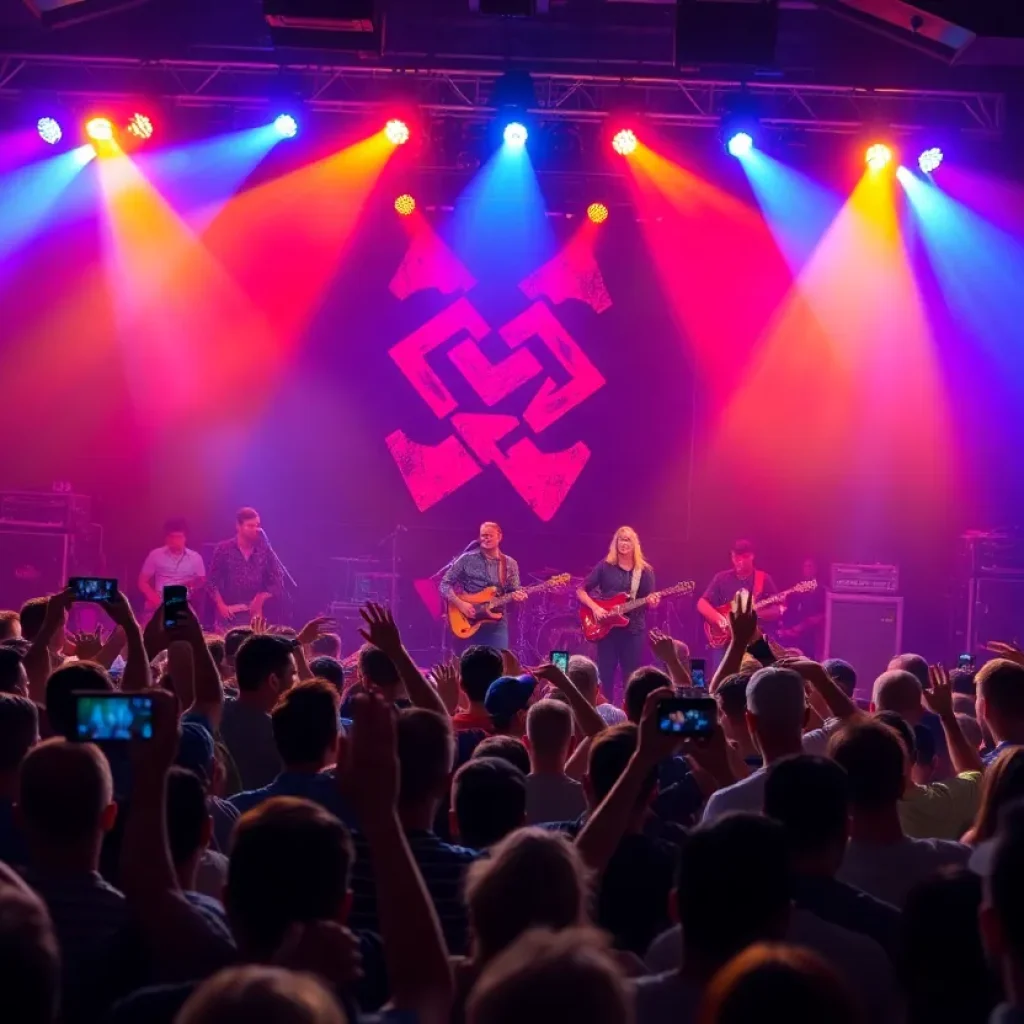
[697,673]
[93,588]
[104,717]
[175,603]
[966,661]
[560,659]
[694,717]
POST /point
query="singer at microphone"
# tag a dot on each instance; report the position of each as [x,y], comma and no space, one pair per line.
[244,572]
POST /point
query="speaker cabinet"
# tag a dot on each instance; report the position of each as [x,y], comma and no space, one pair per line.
[31,565]
[866,631]
[994,613]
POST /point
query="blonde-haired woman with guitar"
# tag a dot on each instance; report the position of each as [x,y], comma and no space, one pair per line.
[624,571]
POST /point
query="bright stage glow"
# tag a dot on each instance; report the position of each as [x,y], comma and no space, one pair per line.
[397,132]
[597,212]
[625,142]
[930,160]
[100,129]
[405,204]
[141,126]
[740,144]
[286,126]
[49,130]
[878,156]
[515,134]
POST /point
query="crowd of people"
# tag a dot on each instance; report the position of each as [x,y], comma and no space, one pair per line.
[490,843]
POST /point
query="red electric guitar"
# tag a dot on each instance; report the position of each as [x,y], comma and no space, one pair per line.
[719,636]
[620,605]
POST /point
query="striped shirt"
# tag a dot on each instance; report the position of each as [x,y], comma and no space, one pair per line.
[443,868]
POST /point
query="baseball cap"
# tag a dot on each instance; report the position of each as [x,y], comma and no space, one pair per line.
[508,695]
[196,750]
[776,696]
[743,547]
[841,672]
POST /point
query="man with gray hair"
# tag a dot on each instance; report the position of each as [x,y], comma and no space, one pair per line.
[777,713]
[900,689]
[583,672]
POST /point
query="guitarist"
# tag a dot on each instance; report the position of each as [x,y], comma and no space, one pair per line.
[244,572]
[174,563]
[743,576]
[622,571]
[483,565]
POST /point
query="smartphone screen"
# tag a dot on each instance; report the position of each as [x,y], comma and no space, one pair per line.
[560,659]
[688,716]
[697,673]
[112,717]
[966,661]
[93,588]
[175,603]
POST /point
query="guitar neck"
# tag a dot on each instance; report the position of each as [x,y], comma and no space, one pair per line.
[679,588]
[776,598]
[505,598]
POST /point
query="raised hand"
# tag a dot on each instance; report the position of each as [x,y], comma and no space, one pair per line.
[653,745]
[510,665]
[662,644]
[158,753]
[381,630]
[939,695]
[1011,652]
[258,624]
[446,678]
[316,628]
[120,611]
[743,619]
[86,646]
[367,770]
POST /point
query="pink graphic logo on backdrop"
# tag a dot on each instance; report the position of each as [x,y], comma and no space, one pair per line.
[542,478]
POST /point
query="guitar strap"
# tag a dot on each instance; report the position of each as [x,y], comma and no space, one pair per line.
[759,576]
[502,572]
[634,581]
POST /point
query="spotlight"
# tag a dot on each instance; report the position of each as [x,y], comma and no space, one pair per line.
[140,126]
[397,132]
[49,130]
[930,160]
[597,212]
[515,134]
[740,144]
[286,126]
[405,204]
[878,156]
[624,142]
[99,129]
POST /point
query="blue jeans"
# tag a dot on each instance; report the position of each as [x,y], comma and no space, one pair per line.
[490,634]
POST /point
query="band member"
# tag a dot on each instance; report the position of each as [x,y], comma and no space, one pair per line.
[244,571]
[484,565]
[175,564]
[742,576]
[805,617]
[623,571]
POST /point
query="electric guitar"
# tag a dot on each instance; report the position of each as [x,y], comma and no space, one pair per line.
[486,603]
[718,636]
[620,606]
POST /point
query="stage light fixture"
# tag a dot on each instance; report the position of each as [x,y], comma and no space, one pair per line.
[100,129]
[49,130]
[397,132]
[405,204]
[597,213]
[930,160]
[625,142]
[878,156]
[740,144]
[286,126]
[141,126]
[515,135]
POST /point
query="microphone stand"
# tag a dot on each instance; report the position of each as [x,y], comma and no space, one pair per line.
[284,568]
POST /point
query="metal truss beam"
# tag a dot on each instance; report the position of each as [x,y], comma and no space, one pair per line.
[465,94]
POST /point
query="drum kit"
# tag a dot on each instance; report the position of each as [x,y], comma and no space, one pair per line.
[551,621]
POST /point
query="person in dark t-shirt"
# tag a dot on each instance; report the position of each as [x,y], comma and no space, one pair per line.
[623,571]
[805,616]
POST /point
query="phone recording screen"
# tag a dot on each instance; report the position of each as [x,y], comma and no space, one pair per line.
[697,673]
[560,659]
[175,602]
[93,588]
[106,717]
[682,716]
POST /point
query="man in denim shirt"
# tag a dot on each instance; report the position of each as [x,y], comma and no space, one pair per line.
[475,570]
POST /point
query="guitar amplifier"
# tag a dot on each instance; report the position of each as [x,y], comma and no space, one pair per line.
[49,510]
[865,630]
[865,579]
[31,565]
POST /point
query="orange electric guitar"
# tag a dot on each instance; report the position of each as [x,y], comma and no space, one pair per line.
[620,606]
[486,604]
[718,636]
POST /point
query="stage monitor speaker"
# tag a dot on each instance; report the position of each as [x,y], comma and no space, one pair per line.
[866,631]
[994,613]
[31,565]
